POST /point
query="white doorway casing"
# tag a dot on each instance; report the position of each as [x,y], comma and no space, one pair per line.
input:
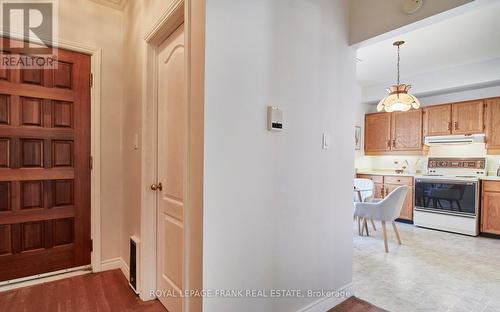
[192,14]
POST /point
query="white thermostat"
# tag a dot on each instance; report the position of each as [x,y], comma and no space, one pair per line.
[274,119]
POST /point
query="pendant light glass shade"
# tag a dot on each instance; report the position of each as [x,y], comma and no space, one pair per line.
[398,100]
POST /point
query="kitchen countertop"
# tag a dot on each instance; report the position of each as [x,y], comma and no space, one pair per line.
[392,173]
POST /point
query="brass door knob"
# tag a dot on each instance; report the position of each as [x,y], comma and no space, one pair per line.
[157,187]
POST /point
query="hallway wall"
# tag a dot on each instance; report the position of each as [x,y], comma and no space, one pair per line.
[276,204]
[98,26]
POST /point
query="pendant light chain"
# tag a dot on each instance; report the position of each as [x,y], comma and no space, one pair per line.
[399,59]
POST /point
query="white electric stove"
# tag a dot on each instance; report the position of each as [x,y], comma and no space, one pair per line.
[447,197]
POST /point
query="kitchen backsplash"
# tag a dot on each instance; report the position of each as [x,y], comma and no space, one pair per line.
[419,163]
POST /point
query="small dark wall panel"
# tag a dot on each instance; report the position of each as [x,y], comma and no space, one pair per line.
[5,240]
[62,115]
[63,75]
[63,232]
[4,109]
[32,194]
[63,193]
[31,153]
[62,153]
[4,196]
[31,111]
[4,153]
[32,236]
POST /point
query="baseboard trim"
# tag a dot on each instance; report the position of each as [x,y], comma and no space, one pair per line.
[326,303]
[116,263]
[44,278]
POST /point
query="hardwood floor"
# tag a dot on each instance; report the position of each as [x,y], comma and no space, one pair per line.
[354,304]
[105,291]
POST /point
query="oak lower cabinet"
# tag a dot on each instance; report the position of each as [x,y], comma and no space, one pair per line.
[490,207]
[384,185]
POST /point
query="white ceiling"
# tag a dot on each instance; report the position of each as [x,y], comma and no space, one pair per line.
[472,37]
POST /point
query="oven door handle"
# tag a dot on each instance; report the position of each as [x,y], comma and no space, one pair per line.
[472,183]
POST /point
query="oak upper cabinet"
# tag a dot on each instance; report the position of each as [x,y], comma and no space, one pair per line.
[407,130]
[437,120]
[490,207]
[377,133]
[391,133]
[492,123]
[468,117]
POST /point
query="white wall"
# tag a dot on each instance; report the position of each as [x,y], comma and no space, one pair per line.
[139,18]
[94,25]
[274,203]
[372,18]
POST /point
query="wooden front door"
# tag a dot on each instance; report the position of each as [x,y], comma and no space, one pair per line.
[468,117]
[437,120]
[172,160]
[44,167]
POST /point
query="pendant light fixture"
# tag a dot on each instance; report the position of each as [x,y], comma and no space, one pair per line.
[398,100]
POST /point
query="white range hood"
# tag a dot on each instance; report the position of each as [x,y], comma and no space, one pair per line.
[454,139]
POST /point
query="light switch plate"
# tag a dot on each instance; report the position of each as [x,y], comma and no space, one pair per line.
[326,140]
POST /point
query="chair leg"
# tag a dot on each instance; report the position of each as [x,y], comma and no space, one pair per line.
[373,225]
[360,231]
[385,236]
[365,224]
[396,231]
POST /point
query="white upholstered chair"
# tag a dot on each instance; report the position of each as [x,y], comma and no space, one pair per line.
[366,196]
[386,210]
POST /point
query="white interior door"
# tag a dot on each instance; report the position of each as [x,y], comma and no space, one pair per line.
[172,156]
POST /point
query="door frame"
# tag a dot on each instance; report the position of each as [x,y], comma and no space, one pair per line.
[95,143]
[192,14]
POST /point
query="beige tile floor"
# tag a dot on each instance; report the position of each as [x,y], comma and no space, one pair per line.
[431,271]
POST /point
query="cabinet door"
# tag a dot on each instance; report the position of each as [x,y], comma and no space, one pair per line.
[493,125]
[437,120]
[490,213]
[468,117]
[378,192]
[407,131]
[407,209]
[378,132]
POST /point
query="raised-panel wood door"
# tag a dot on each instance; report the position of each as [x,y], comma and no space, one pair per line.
[172,159]
[493,126]
[407,130]
[490,213]
[377,132]
[468,117]
[437,120]
[44,167]
[407,209]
